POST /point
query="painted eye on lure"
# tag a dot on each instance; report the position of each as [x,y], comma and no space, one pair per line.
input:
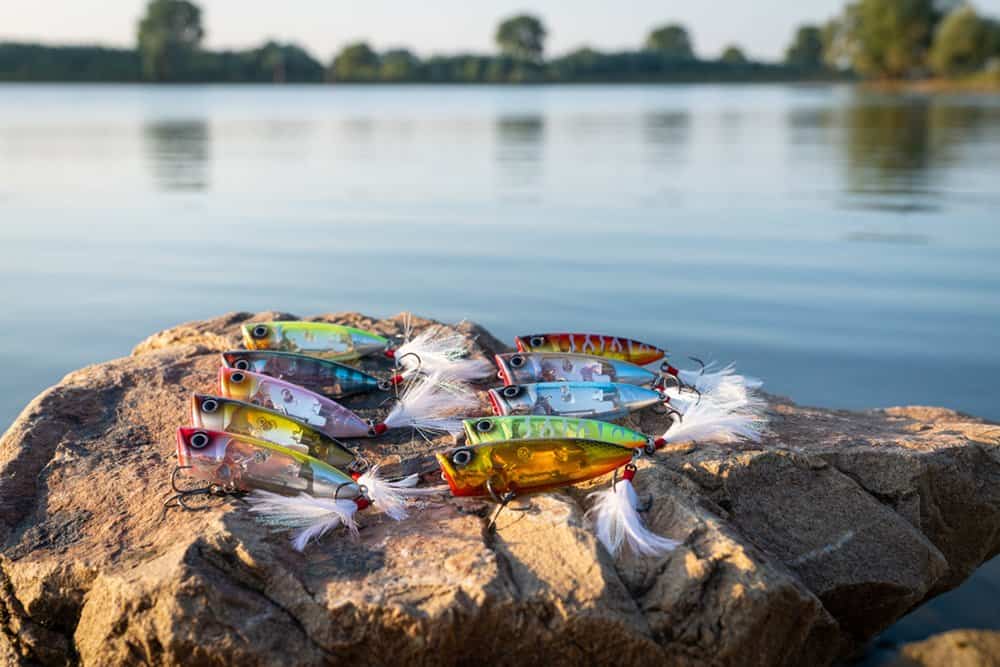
[517,361]
[199,440]
[209,405]
[259,331]
[511,391]
[461,457]
[484,426]
[241,364]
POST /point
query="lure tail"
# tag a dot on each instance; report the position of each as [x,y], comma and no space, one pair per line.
[430,404]
[616,520]
[440,350]
[724,385]
[708,421]
[391,497]
[312,517]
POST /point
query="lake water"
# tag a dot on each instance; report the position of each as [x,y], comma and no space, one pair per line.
[842,245]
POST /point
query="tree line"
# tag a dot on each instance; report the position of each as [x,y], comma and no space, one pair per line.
[886,39]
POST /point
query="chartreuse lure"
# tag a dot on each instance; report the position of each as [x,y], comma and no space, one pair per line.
[322,375]
[433,350]
[505,469]
[239,418]
[538,427]
[287,488]
[722,384]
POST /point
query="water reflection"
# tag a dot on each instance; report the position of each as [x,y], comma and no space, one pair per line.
[665,134]
[520,144]
[178,153]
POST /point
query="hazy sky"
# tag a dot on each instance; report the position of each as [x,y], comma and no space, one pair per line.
[762,27]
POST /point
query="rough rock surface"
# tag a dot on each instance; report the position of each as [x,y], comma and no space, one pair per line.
[958,648]
[795,551]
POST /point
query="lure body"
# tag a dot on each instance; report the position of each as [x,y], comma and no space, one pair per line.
[242,463]
[525,367]
[528,466]
[611,347]
[538,427]
[321,339]
[323,375]
[239,418]
[605,400]
[320,412]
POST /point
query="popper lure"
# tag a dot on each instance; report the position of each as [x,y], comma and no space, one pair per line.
[322,375]
[607,400]
[723,383]
[287,488]
[504,470]
[427,403]
[701,422]
[435,349]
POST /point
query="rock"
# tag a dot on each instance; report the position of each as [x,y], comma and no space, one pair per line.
[795,551]
[958,648]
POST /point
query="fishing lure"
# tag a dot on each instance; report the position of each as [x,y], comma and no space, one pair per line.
[240,418]
[287,488]
[323,375]
[598,345]
[526,367]
[701,422]
[425,403]
[503,470]
[435,349]
[606,400]
[721,383]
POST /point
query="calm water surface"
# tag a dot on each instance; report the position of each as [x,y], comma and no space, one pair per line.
[842,245]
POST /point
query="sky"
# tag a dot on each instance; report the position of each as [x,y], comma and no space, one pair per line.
[762,27]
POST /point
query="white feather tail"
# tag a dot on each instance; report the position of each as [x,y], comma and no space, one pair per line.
[431,404]
[311,517]
[439,350]
[391,497]
[617,521]
[708,421]
[724,385]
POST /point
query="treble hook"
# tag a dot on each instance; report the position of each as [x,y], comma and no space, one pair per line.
[680,384]
[503,501]
[180,496]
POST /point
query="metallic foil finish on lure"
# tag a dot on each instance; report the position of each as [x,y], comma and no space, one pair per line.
[604,400]
[525,367]
[528,466]
[538,427]
[242,463]
[320,412]
[322,375]
[594,344]
[321,339]
[243,419]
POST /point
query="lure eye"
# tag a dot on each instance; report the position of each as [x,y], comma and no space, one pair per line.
[209,405]
[241,365]
[537,341]
[484,425]
[259,331]
[461,457]
[511,391]
[199,440]
[237,378]
[517,361]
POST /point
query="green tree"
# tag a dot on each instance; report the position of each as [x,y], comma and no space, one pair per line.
[961,43]
[671,41]
[355,62]
[169,36]
[522,37]
[734,55]
[806,50]
[889,38]
[399,65]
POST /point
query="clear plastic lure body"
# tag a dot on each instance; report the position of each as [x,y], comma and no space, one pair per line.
[602,400]
[538,427]
[526,367]
[322,375]
[320,412]
[528,466]
[320,339]
[597,345]
[241,463]
[239,418]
